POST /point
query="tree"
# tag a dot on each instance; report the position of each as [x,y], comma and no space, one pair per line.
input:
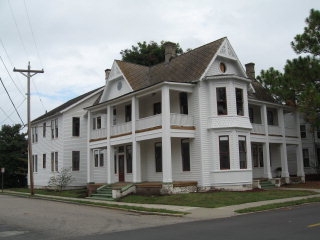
[147,54]
[309,40]
[61,179]
[299,84]
[13,156]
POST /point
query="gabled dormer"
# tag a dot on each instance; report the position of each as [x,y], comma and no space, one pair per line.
[225,62]
[116,84]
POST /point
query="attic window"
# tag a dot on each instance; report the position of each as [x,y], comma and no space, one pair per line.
[119,85]
[223,67]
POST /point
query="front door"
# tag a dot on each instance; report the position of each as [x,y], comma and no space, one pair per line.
[121,167]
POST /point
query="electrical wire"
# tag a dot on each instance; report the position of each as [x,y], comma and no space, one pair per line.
[12,101]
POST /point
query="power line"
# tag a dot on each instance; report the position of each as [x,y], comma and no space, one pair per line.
[19,33]
[9,115]
[12,101]
[33,37]
[11,77]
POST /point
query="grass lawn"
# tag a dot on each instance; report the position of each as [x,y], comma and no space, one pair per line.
[216,199]
[78,193]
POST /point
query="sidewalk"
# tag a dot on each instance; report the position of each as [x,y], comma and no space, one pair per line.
[195,213]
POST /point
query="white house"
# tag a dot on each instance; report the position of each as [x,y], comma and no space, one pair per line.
[59,140]
[196,118]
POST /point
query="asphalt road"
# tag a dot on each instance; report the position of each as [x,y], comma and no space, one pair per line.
[24,218]
[301,222]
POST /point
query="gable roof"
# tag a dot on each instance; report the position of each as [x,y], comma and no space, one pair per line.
[185,68]
[65,105]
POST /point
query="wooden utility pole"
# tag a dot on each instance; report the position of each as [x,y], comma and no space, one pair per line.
[29,73]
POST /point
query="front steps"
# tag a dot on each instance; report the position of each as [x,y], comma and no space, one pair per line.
[103,193]
[266,184]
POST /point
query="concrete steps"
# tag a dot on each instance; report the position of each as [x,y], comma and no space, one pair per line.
[103,193]
[266,184]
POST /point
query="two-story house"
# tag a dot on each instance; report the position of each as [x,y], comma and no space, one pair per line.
[198,117]
[59,140]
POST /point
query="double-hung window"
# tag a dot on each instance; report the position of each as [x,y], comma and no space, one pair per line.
[224,152]
[242,152]
[239,101]
[222,101]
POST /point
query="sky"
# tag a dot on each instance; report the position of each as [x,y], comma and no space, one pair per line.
[74,41]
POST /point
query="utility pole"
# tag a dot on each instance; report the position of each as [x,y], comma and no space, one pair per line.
[29,73]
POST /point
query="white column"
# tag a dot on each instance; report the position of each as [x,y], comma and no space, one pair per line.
[284,162]
[266,161]
[89,177]
[136,162]
[109,148]
[266,145]
[166,139]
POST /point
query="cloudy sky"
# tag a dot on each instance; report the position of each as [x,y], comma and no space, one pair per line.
[74,41]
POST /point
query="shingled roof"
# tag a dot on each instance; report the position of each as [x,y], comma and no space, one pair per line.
[186,68]
[58,109]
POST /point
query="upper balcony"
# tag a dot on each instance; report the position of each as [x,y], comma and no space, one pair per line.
[147,113]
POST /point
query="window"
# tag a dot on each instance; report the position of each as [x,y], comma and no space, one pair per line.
[239,101]
[52,162]
[114,111]
[36,133]
[76,126]
[44,129]
[257,154]
[318,132]
[98,158]
[158,156]
[75,160]
[183,96]
[224,152]
[251,115]
[185,153]
[52,129]
[243,152]
[35,163]
[32,137]
[56,168]
[129,158]
[56,127]
[303,132]
[128,111]
[115,162]
[44,160]
[272,117]
[157,108]
[222,101]
[306,160]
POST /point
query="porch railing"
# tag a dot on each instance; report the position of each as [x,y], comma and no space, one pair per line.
[181,120]
[292,132]
[274,130]
[121,128]
[149,122]
[258,128]
[98,133]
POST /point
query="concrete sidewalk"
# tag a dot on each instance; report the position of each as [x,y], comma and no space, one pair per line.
[195,213]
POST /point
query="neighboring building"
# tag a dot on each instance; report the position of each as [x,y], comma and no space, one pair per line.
[310,147]
[198,117]
[59,140]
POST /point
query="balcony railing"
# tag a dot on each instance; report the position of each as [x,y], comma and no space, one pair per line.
[258,128]
[292,132]
[149,122]
[122,128]
[177,119]
[274,130]
[98,133]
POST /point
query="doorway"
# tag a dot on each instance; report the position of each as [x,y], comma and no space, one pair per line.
[121,167]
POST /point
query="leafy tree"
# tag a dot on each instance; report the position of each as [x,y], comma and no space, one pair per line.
[13,156]
[61,179]
[299,84]
[309,40]
[147,54]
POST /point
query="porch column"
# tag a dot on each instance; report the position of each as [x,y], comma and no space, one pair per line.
[109,147]
[266,161]
[136,162]
[299,154]
[266,145]
[284,162]
[89,177]
[166,138]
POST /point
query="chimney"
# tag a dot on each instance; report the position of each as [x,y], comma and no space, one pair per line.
[250,71]
[169,51]
[107,73]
